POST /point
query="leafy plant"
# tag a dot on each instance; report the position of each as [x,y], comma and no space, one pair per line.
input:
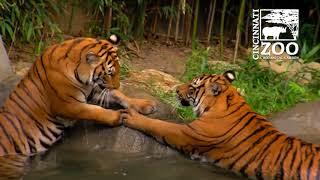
[28,21]
[310,54]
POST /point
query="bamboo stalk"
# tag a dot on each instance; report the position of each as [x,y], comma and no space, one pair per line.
[178,21]
[170,22]
[240,21]
[222,28]
[211,21]
[195,23]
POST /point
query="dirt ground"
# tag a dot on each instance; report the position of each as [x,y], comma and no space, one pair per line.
[149,55]
[168,59]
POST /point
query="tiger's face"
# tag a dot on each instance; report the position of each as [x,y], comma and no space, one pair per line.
[99,66]
[202,91]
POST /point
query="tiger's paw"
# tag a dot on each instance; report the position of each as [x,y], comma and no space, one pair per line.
[130,117]
[144,106]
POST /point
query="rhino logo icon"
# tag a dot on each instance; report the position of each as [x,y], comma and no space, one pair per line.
[279,24]
[273,31]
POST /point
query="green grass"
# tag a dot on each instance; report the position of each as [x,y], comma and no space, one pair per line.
[265,91]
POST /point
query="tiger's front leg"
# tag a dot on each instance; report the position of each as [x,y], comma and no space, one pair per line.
[175,135]
[83,111]
[143,106]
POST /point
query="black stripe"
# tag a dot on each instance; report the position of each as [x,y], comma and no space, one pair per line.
[76,75]
[6,133]
[56,135]
[88,46]
[22,127]
[263,150]
[16,147]
[48,81]
[253,144]
[318,169]
[76,99]
[281,173]
[238,122]
[71,46]
[44,144]
[43,132]
[236,109]
[293,159]
[15,128]
[234,135]
[103,47]
[52,51]
[39,76]
[309,166]
[40,126]
[4,148]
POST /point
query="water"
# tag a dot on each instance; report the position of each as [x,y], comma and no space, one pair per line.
[96,152]
[110,165]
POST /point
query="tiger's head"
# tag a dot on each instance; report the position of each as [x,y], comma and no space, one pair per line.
[99,64]
[207,91]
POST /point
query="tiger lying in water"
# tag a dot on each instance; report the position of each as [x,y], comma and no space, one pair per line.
[229,134]
[59,84]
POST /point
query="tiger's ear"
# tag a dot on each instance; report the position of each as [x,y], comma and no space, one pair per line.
[114,39]
[92,58]
[216,88]
[229,75]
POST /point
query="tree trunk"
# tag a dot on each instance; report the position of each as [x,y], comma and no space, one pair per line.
[170,22]
[155,19]
[178,22]
[209,14]
[138,26]
[222,28]
[108,20]
[240,22]
[318,23]
[155,22]
[188,20]
[211,21]
[195,24]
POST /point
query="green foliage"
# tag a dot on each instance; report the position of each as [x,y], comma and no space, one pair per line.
[309,54]
[119,18]
[28,21]
[309,50]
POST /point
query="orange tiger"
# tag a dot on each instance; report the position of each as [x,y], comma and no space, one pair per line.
[60,84]
[229,134]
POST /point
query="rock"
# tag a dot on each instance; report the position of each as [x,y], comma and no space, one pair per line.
[301,121]
[223,65]
[6,85]
[281,66]
[21,68]
[157,79]
[5,67]
[293,68]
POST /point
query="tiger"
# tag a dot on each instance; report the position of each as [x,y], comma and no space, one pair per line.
[227,133]
[58,85]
